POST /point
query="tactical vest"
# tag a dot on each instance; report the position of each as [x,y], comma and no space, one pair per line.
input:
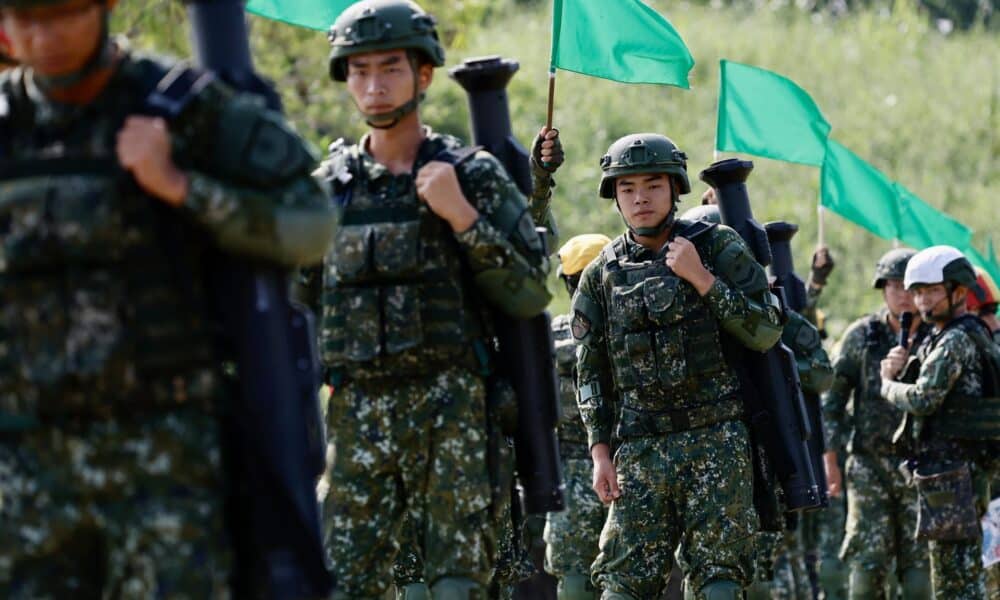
[972,418]
[571,430]
[665,348]
[96,313]
[395,295]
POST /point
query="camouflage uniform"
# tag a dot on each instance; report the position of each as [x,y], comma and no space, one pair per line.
[950,374]
[683,462]
[881,514]
[403,341]
[111,474]
[571,535]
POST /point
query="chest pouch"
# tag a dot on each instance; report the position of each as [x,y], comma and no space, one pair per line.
[946,507]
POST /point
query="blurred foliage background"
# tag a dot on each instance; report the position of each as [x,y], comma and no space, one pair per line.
[912,86]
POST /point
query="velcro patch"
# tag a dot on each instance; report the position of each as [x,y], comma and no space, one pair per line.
[580,325]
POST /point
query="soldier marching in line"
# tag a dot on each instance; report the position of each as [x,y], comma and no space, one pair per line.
[432,232]
[648,316]
[952,427]
[112,479]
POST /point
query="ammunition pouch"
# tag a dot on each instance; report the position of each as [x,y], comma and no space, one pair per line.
[946,503]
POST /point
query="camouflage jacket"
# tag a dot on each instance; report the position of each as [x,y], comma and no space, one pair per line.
[856,416]
[102,288]
[651,343]
[571,430]
[399,293]
[951,373]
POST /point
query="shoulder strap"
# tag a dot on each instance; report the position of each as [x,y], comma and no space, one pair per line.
[457,156]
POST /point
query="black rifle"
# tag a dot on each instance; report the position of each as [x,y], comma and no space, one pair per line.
[793,289]
[526,355]
[277,440]
[772,392]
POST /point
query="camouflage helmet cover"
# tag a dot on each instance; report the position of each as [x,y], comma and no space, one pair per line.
[376,25]
[643,153]
[892,265]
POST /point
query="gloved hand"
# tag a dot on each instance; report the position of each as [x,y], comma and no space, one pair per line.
[547,151]
[822,266]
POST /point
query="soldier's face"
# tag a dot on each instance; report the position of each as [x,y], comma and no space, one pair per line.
[380,82]
[56,39]
[644,200]
[932,301]
[897,299]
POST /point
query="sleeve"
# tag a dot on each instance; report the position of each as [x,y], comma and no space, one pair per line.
[595,387]
[815,371]
[503,249]
[846,378]
[250,183]
[939,371]
[740,298]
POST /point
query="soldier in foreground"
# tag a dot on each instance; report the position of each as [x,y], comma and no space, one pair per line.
[881,513]
[112,480]
[953,428]
[571,536]
[432,233]
[648,315]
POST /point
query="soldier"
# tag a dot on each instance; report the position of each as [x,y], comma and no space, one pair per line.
[781,570]
[111,471]
[571,535]
[649,315]
[433,232]
[952,427]
[880,505]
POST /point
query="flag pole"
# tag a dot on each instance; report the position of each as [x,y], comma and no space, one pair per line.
[552,97]
[821,227]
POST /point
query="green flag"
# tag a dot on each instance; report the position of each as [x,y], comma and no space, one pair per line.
[921,225]
[766,114]
[622,40]
[859,192]
[314,14]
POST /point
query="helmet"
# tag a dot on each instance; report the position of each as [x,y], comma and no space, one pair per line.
[373,25]
[643,153]
[984,293]
[576,254]
[892,265]
[939,264]
[705,212]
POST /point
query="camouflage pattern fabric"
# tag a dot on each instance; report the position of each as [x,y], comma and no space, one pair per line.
[950,368]
[571,536]
[115,509]
[110,476]
[881,508]
[684,462]
[881,517]
[686,492]
[781,562]
[823,536]
[413,447]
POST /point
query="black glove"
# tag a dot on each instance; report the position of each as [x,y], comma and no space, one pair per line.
[822,266]
[547,152]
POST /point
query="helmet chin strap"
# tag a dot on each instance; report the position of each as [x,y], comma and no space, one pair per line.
[928,315]
[101,58]
[654,231]
[388,120]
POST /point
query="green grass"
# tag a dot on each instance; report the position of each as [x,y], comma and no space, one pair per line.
[919,105]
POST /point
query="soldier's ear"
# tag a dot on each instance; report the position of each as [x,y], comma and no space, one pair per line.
[425,75]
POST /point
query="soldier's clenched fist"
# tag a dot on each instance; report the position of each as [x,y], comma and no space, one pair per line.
[143,148]
[437,185]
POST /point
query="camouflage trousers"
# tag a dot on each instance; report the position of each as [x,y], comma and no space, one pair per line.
[781,566]
[881,518]
[115,509]
[414,449]
[571,536]
[690,492]
[822,537]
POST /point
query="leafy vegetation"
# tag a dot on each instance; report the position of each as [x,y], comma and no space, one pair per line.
[921,105]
